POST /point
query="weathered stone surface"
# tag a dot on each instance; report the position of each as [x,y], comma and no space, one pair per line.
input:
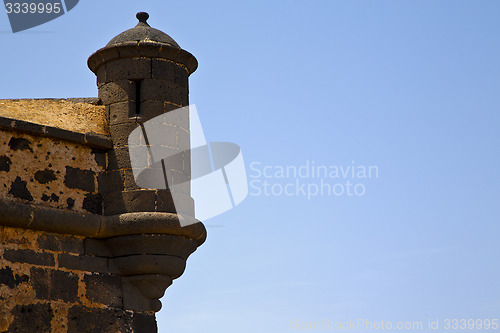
[128,49]
[53,284]
[93,203]
[45,176]
[7,277]
[31,318]
[139,200]
[163,90]
[84,319]
[5,163]
[151,109]
[117,91]
[100,158]
[144,323]
[83,263]
[18,189]
[128,68]
[20,144]
[111,181]
[29,256]
[129,180]
[80,179]
[77,115]
[122,112]
[60,243]
[142,292]
[104,289]
[120,133]
[119,158]
[122,246]
[95,140]
[96,247]
[148,264]
[170,71]
[129,201]
[70,202]
[63,134]
[37,174]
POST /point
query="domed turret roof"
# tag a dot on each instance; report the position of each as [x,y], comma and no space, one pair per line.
[142,32]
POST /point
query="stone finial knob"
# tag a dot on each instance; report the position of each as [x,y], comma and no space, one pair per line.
[142,17]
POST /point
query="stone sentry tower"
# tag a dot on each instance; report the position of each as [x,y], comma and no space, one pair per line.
[98,253]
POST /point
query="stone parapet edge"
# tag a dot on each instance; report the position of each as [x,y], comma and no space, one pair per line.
[90,139]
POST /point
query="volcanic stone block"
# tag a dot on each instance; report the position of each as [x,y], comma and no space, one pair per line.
[130,68]
[111,181]
[20,144]
[101,76]
[129,201]
[19,190]
[52,284]
[31,318]
[114,204]
[169,52]
[109,53]
[187,59]
[29,257]
[119,158]
[121,112]
[96,247]
[129,180]
[100,158]
[81,179]
[181,76]
[104,289]
[83,263]
[151,109]
[150,50]
[55,242]
[163,90]
[120,133]
[93,203]
[165,203]
[164,69]
[5,163]
[128,50]
[45,176]
[144,323]
[117,91]
[84,319]
[139,200]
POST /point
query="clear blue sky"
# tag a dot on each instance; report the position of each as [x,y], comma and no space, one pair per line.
[411,87]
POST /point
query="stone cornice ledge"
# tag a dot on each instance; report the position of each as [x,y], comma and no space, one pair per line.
[147,249]
[28,216]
